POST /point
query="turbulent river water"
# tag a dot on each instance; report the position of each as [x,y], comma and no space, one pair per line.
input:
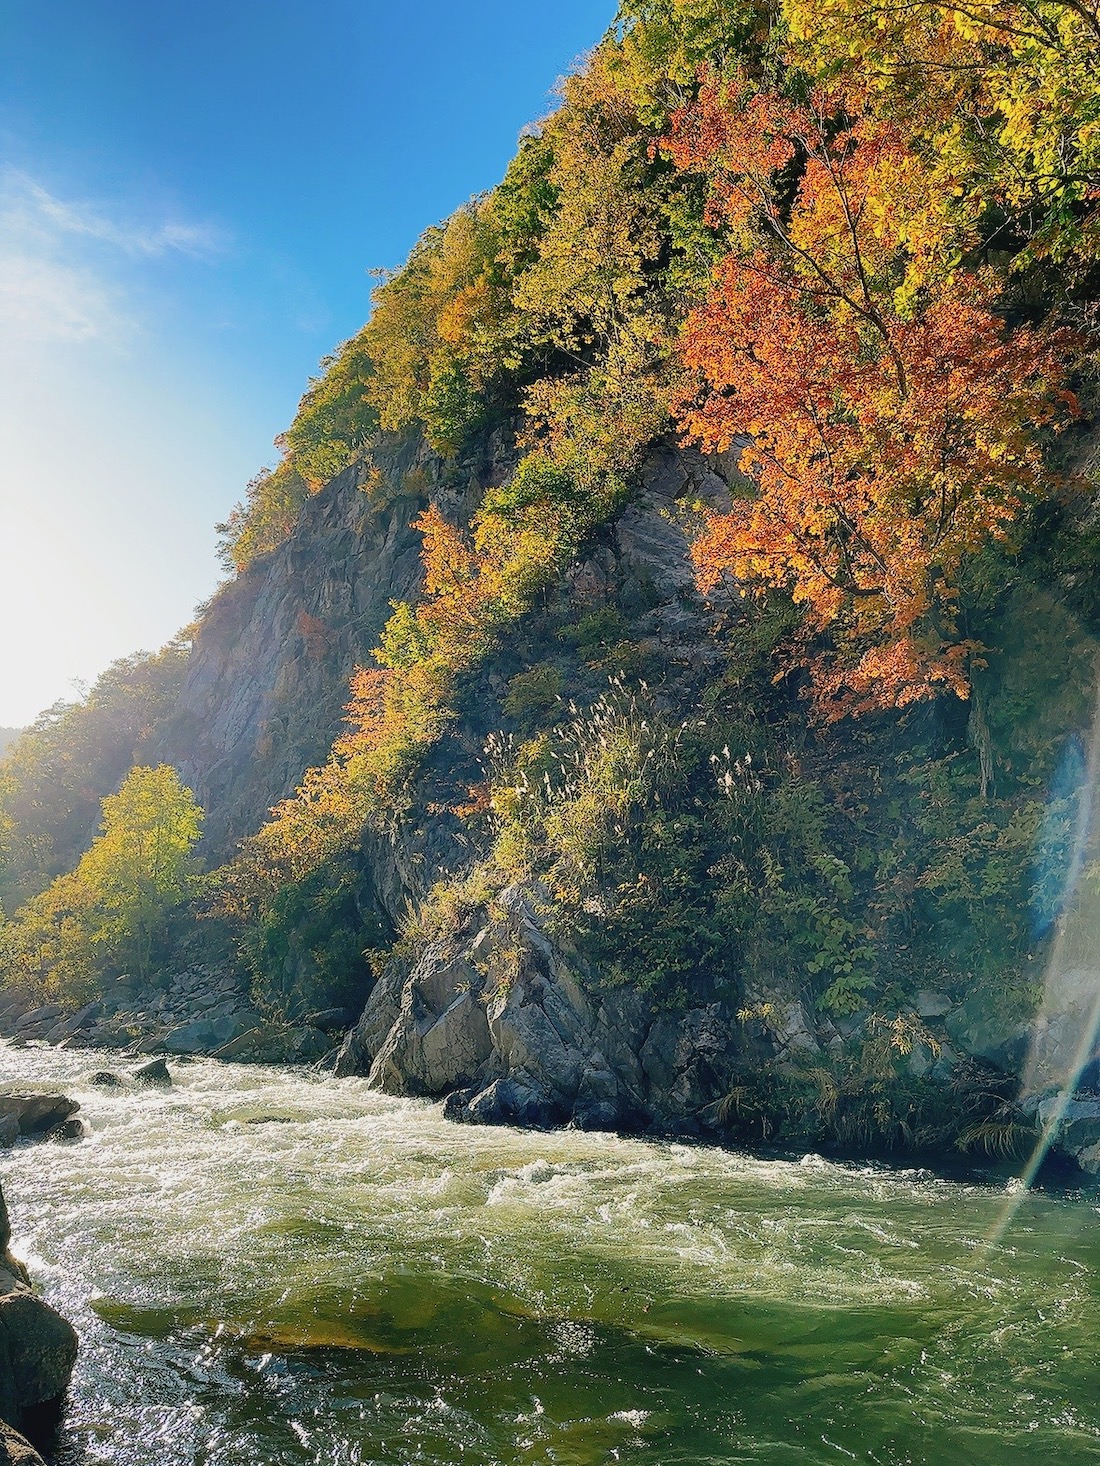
[268,1267]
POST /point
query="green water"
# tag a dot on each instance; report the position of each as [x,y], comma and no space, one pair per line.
[351,1280]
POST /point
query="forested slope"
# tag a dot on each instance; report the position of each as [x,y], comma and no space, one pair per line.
[701,537]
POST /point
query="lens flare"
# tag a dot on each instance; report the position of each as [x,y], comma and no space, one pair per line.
[1065,1031]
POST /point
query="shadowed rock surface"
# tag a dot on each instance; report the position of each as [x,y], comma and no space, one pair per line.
[33,1116]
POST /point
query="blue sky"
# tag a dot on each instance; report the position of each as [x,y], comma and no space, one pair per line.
[192,194]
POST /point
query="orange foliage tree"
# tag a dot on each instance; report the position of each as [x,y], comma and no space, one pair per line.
[885,415]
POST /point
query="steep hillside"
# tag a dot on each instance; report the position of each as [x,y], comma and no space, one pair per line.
[656,686]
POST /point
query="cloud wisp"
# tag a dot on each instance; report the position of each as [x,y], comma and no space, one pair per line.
[64,265]
[136,239]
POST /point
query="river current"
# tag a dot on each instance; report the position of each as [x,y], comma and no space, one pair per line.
[271,1267]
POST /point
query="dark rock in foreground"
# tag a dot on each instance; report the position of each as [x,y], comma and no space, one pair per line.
[37,1352]
[72,1129]
[16,1450]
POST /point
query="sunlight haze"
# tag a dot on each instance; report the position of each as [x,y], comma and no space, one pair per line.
[190,203]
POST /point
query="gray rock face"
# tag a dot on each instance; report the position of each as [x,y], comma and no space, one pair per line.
[439,1039]
[265,688]
[505,1023]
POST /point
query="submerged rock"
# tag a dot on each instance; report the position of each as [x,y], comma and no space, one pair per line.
[155,1072]
[72,1129]
[105,1079]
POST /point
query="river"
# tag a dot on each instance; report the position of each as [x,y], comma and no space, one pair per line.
[271,1267]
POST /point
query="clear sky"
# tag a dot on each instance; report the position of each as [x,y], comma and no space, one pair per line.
[192,194]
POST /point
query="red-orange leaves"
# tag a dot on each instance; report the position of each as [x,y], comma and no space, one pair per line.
[886,416]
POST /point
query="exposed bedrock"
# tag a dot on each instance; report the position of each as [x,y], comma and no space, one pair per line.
[504,1023]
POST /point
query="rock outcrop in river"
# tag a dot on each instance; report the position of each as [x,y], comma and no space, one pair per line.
[504,1023]
[37,1353]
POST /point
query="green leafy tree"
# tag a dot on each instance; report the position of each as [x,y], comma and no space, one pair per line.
[111,913]
[140,866]
[54,776]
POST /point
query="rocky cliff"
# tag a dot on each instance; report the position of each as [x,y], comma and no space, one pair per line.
[267,681]
[507,1014]
[268,678]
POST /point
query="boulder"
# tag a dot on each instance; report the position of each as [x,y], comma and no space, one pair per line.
[39,1017]
[37,1346]
[261,1041]
[105,1079]
[37,1352]
[204,1035]
[36,1114]
[1075,1124]
[307,1045]
[16,1450]
[932,1005]
[75,1023]
[512,1101]
[155,1072]
[331,1020]
[985,1035]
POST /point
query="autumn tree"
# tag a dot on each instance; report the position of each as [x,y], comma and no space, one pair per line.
[999,96]
[884,413]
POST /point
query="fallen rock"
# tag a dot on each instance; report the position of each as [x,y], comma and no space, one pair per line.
[36,1114]
[154,1073]
[76,1022]
[932,1005]
[513,1101]
[204,1035]
[331,1020]
[16,1450]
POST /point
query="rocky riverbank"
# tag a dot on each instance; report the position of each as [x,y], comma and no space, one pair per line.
[201,1010]
[505,1022]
